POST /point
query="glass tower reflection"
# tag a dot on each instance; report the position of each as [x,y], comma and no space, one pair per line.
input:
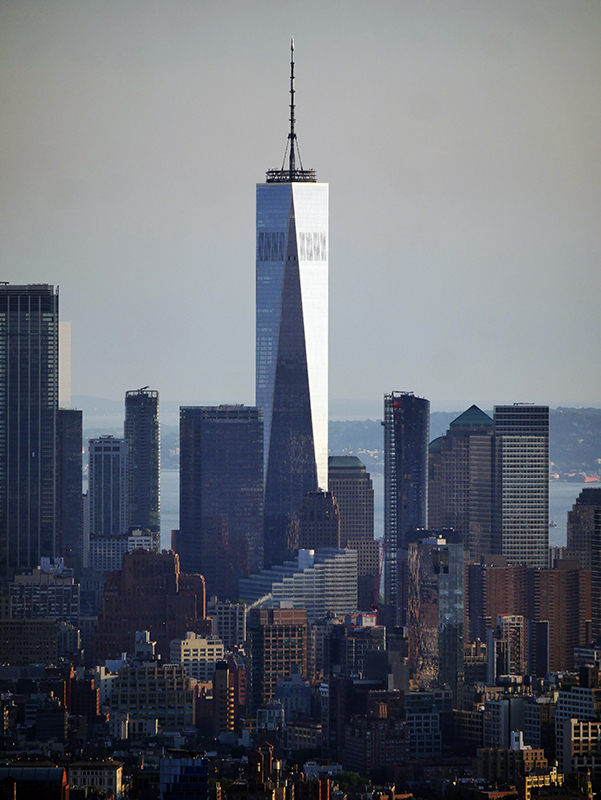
[292,342]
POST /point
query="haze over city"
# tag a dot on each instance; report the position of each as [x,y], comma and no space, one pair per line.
[461,142]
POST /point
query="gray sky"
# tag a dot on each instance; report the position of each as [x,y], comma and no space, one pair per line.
[461,141]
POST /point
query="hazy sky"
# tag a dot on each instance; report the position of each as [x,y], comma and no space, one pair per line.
[461,141]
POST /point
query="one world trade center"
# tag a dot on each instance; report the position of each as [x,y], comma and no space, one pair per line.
[292,340]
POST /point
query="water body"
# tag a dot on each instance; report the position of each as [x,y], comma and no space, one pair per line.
[562,495]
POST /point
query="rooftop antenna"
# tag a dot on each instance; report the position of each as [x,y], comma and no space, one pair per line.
[292,134]
[293,173]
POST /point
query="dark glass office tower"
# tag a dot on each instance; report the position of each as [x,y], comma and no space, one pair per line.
[581,523]
[436,613]
[596,576]
[221,495]
[319,521]
[107,486]
[460,494]
[28,409]
[292,342]
[143,435]
[406,435]
[70,503]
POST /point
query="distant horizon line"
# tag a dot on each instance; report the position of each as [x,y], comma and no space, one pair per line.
[352,405]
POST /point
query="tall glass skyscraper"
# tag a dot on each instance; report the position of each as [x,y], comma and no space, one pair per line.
[292,341]
[221,495]
[522,483]
[28,425]
[143,434]
[406,434]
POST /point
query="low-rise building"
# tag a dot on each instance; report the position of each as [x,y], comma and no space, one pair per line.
[578,703]
[198,654]
[184,777]
[373,741]
[161,692]
[423,722]
[106,774]
[508,765]
[303,735]
[49,592]
[229,621]
[579,738]
[29,641]
[294,693]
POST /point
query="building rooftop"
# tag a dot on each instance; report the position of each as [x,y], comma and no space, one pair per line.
[589,497]
[474,417]
[435,445]
[345,462]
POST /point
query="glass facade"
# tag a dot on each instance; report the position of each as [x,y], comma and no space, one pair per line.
[522,483]
[107,487]
[436,613]
[460,481]
[406,434]
[70,508]
[28,411]
[221,495]
[143,434]
[292,352]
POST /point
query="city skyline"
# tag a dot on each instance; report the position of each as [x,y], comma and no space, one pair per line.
[126,162]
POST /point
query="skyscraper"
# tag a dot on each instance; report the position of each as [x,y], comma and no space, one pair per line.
[406,434]
[319,521]
[581,524]
[352,486]
[221,495]
[460,481]
[435,613]
[28,411]
[142,432]
[277,641]
[107,471]
[69,498]
[108,502]
[292,340]
[521,524]
[150,593]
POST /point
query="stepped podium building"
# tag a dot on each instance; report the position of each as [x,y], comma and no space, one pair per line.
[292,340]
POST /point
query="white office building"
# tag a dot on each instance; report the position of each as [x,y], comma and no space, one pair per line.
[320,581]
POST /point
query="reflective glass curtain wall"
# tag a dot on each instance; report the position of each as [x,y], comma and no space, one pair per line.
[292,352]
[406,434]
[28,409]
[221,495]
[143,434]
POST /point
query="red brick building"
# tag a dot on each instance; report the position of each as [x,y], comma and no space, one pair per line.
[149,593]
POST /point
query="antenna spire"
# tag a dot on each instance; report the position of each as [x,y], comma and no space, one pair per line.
[293,173]
[292,134]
